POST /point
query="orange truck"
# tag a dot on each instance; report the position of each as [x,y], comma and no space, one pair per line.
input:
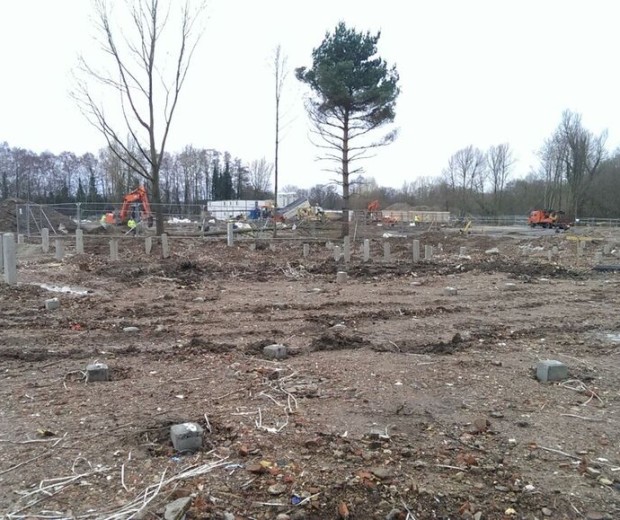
[548,219]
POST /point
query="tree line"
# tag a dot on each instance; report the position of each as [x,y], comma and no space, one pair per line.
[192,176]
[575,174]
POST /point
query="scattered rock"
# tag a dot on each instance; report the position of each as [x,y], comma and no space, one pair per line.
[546,511]
[175,510]
[131,329]
[492,251]
[395,514]
[481,425]
[381,472]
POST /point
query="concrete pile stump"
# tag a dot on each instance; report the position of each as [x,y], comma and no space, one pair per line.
[148,245]
[366,250]
[416,251]
[79,241]
[45,240]
[230,236]
[97,372]
[387,254]
[10,259]
[551,370]
[341,277]
[52,304]
[114,250]
[60,249]
[346,249]
[275,351]
[450,291]
[186,436]
[165,246]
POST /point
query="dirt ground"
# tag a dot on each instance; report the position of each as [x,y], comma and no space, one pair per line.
[397,400]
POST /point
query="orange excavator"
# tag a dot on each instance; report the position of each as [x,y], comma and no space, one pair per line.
[135,201]
[376,215]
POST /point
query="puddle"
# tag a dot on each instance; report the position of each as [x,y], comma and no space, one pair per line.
[64,289]
[609,337]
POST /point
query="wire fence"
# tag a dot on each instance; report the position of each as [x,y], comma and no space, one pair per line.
[188,219]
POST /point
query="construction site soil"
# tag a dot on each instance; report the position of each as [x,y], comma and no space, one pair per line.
[399,399]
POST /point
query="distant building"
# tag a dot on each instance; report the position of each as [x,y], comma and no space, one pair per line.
[286,198]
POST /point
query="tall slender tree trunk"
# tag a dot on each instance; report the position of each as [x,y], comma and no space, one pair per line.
[345,176]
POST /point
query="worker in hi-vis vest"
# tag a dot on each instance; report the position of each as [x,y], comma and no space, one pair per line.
[131,224]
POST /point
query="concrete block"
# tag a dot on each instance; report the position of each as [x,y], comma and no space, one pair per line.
[52,304]
[341,277]
[97,372]
[450,291]
[551,370]
[275,351]
[186,436]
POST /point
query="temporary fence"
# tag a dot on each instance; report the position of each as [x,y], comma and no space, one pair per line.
[194,218]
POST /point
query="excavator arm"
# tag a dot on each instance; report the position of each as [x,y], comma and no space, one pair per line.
[137,195]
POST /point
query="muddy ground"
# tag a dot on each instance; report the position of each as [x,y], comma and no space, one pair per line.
[396,401]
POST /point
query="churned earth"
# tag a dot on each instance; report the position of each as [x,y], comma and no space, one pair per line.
[398,399]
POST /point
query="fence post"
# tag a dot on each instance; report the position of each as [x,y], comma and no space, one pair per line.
[10,265]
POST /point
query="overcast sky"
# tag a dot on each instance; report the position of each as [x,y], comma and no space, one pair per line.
[478,72]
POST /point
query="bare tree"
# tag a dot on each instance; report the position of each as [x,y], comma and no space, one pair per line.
[146,81]
[499,161]
[465,174]
[552,156]
[584,153]
[280,72]
[259,176]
